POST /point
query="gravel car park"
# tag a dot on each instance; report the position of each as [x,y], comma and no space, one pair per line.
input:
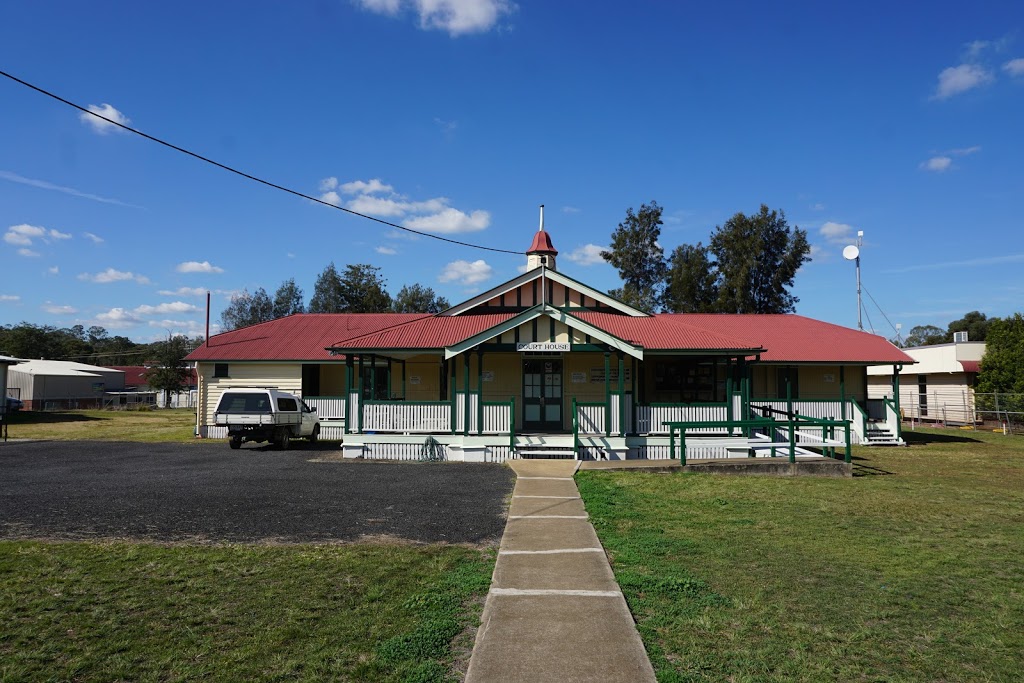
[205,493]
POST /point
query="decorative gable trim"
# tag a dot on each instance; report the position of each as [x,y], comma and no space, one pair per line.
[563,317]
[552,275]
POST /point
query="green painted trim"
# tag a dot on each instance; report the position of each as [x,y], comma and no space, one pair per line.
[480,391]
[314,398]
[622,396]
[359,408]
[348,393]
[896,397]
[607,395]
[512,423]
[842,391]
[465,401]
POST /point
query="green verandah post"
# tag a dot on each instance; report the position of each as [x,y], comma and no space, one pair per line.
[465,395]
[575,428]
[791,417]
[511,425]
[348,394]
[452,392]
[622,396]
[607,394]
[359,408]
[896,399]
[479,391]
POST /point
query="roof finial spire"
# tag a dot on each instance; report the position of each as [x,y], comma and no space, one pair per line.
[541,228]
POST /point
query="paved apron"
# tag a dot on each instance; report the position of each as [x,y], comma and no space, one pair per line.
[554,611]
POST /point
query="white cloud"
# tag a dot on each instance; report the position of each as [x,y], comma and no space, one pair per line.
[570,209]
[9,297]
[964,151]
[28,253]
[107,111]
[376,198]
[198,267]
[111,275]
[450,221]
[373,186]
[456,17]
[937,164]
[162,309]
[328,184]
[387,7]
[183,291]
[959,79]
[817,207]
[44,185]
[59,310]
[460,17]
[387,251]
[837,233]
[987,261]
[53,270]
[24,234]
[95,238]
[118,318]
[466,273]
[587,255]
[1015,67]
[186,327]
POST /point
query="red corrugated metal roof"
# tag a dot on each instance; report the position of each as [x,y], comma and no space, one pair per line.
[790,337]
[434,332]
[971,365]
[785,338]
[303,336]
[664,332]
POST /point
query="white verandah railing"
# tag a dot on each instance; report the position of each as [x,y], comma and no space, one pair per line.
[407,417]
[327,407]
[821,409]
[650,419]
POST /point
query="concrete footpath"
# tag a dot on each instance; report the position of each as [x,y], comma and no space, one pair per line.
[554,611]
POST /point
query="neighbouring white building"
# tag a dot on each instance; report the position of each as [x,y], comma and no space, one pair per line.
[939,387]
[59,384]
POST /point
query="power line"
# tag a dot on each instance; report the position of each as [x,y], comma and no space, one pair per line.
[250,176]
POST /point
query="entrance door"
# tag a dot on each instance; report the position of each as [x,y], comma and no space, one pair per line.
[542,395]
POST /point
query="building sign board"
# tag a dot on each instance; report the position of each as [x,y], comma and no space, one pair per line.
[543,346]
[579,378]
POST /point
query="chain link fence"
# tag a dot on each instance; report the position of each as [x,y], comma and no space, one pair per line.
[1001,410]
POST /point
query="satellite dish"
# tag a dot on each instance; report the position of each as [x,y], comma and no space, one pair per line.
[851,252]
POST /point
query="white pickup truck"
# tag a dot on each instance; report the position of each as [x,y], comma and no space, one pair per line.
[263,414]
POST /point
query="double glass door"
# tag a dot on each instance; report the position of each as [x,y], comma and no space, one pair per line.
[542,394]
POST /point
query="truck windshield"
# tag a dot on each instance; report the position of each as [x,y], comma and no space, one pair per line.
[244,403]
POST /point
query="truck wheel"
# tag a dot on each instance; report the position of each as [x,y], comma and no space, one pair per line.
[315,435]
[283,439]
[235,442]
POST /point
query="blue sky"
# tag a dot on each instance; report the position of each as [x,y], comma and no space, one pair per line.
[460,117]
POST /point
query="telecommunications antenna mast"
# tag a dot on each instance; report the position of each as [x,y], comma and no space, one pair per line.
[852,253]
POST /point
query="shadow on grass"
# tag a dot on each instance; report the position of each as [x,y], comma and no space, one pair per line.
[31,417]
[861,470]
[925,438]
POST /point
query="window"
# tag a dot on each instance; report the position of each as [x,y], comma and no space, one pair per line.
[781,376]
[287,405]
[220,370]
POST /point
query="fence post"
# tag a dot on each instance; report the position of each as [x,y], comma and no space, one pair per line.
[790,417]
[671,442]
[682,445]
[849,451]
[511,424]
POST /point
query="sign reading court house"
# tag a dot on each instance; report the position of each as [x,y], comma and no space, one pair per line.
[543,346]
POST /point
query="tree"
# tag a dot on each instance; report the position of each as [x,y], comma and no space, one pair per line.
[247,309]
[171,372]
[328,296]
[362,290]
[288,299]
[692,282]
[419,299]
[1002,367]
[976,324]
[925,335]
[757,258]
[638,257]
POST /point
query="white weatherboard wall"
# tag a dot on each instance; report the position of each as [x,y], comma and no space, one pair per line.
[283,376]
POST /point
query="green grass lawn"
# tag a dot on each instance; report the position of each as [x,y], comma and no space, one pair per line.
[176,424]
[911,571]
[126,612]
